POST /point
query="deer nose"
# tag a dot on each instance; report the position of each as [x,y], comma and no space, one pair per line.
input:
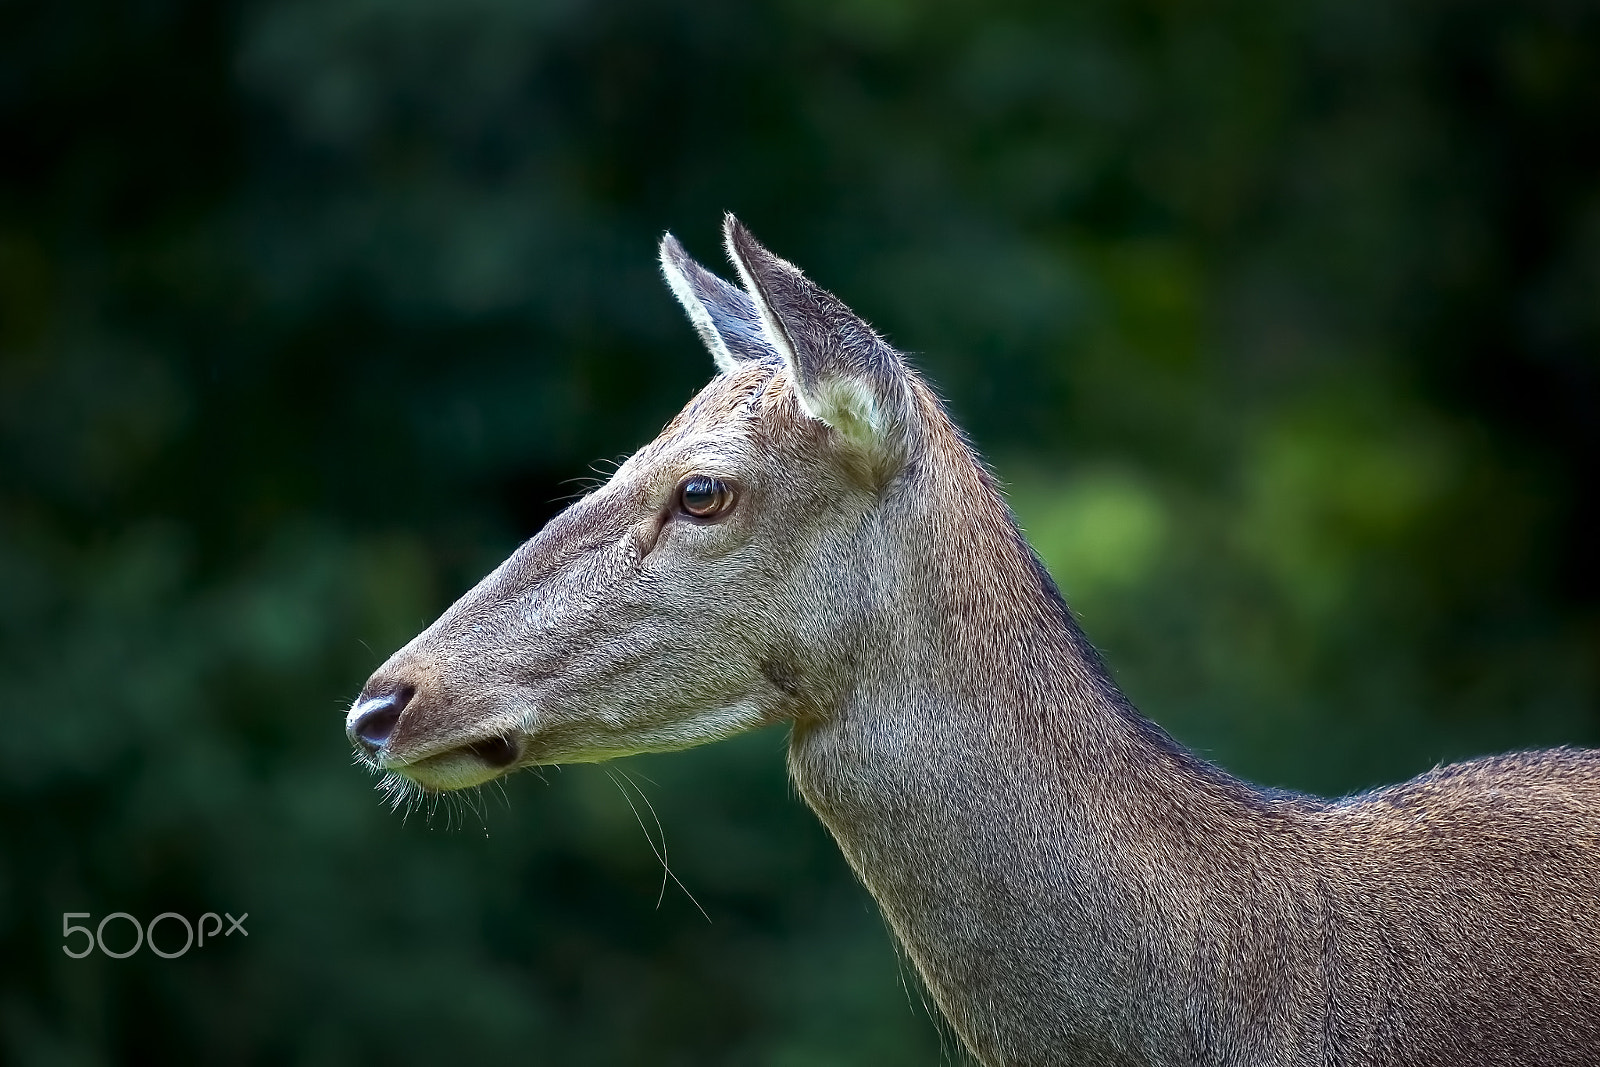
[371,722]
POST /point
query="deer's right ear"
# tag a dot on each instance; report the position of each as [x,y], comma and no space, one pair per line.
[844,373]
[722,315]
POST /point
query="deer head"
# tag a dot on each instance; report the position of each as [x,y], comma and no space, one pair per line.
[722,578]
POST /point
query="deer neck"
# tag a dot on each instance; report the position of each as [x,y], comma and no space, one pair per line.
[1046,856]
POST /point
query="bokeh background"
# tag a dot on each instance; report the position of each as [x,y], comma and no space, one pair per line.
[1281,321]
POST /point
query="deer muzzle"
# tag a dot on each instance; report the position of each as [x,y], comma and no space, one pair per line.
[387,738]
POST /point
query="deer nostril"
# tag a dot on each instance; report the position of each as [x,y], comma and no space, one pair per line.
[371,722]
[376,724]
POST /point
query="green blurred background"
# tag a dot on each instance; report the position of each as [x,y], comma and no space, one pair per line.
[1281,321]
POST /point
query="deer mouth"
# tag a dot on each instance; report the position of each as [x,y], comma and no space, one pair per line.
[463,766]
[499,751]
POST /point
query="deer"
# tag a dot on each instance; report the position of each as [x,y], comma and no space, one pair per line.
[813,541]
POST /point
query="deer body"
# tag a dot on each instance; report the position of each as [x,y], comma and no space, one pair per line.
[1071,884]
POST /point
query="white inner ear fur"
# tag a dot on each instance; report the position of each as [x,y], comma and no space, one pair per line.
[851,407]
[699,317]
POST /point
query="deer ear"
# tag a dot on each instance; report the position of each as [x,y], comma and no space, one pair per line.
[723,316]
[845,374]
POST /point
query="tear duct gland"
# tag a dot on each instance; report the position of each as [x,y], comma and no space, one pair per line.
[811,541]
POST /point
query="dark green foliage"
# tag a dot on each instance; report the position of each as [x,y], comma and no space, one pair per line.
[1282,320]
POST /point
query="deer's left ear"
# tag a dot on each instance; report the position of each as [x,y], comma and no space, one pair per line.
[846,375]
[723,316]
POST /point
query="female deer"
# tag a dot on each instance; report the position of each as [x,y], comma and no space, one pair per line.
[812,541]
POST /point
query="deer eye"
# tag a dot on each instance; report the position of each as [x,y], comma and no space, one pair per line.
[703,497]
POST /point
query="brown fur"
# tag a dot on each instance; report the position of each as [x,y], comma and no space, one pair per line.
[1072,885]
